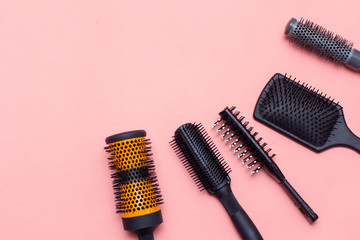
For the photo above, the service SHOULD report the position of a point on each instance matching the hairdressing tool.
(248, 147)
(137, 193)
(209, 171)
(322, 42)
(304, 114)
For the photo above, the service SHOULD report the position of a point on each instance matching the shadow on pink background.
(75, 72)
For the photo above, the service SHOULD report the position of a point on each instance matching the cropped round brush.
(304, 114)
(209, 171)
(322, 42)
(137, 193)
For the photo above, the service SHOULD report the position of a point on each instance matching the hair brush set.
(292, 108)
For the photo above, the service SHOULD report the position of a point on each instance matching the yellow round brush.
(137, 192)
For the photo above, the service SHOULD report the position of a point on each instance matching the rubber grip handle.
(306, 210)
(241, 220)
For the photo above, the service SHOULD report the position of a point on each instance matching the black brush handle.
(310, 215)
(241, 220)
(343, 136)
(145, 233)
(353, 142)
(146, 237)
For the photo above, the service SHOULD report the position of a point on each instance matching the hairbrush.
(304, 114)
(248, 147)
(137, 193)
(322, 42)
(209, 171)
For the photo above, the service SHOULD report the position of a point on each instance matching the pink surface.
(74, 72)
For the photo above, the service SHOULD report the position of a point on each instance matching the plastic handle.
(146, 237)
(354, 60)
(146, 233)
(241, 220)
(343, 136)
(306, 210)
(353, 141)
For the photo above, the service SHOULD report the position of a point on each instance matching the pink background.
(74, 72)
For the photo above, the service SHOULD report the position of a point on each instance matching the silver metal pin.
(247, 159)
(234, 143)
(242, 154)
(225, 133)
(221, 128)
(250, 165)
(229, 138)
(217, 122)
(256, 170)
(238, 148)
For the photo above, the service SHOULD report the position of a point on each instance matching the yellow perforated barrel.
(137, 194)
(134, 181)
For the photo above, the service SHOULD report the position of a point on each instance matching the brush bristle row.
(200, 157)
(246, 145)
(320, 41)
(299, 109)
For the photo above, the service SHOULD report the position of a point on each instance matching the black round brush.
(209, 171)
(137, 193)
(322, 42)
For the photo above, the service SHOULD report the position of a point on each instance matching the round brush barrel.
(322, 42)
(137, 193)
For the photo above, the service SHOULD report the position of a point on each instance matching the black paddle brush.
(304, 114)
(209, 171)
(322, 42)
(248, 146)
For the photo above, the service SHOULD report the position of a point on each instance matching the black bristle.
(200, 157)
(299, 109)
(244, 141)
(320, 41)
